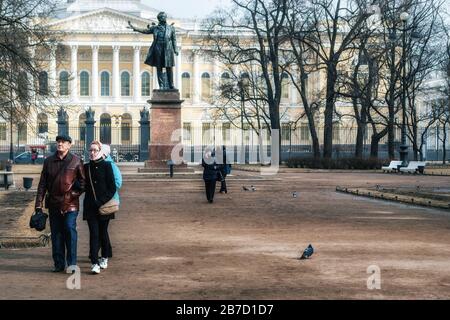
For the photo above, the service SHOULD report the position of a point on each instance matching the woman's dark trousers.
(210, 187)
(99, 237)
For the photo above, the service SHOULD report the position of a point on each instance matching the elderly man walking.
(61, 184)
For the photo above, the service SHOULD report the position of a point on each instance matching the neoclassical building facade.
(99, 63)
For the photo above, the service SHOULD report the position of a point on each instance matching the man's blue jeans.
(64, 237)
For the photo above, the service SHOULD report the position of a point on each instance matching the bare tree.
(335, 26)
(24, 49)
(252, 31)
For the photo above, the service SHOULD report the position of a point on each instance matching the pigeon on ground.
(253, 188)
(245, 188)
(294, 194)
(307, 253)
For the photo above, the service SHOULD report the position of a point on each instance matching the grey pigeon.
(307, 253)
(253, 188)
(294, 194)
(245, 188)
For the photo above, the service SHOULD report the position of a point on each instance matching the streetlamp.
(404, 16)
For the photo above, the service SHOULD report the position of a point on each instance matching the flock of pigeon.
(308, 252)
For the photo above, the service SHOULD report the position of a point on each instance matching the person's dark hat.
(64, 137)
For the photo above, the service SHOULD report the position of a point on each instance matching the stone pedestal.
(165, 119)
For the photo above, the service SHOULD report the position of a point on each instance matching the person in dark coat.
(101, 173)
(162, 50)
(224, 170)
(210, 172)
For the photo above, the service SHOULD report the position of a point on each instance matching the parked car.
(25, 158)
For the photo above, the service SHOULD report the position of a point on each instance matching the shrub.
(344, 163)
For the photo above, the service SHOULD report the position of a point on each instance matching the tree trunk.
(329, 110)
(375, 140)
(361, 132)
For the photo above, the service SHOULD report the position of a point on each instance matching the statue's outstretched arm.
(149, 29)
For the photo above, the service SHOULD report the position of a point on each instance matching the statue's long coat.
(161, 54)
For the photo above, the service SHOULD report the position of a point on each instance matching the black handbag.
(38, 220)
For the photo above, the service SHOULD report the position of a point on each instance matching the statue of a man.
(162, 50)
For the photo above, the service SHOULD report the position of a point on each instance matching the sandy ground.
(169, 243)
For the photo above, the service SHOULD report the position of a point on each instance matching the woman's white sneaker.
(103, 263)
(95, 269)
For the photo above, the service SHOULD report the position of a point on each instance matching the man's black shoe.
(58, 270)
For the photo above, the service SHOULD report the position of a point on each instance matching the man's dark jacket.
(63, 180)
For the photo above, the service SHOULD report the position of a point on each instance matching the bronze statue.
(162, 50)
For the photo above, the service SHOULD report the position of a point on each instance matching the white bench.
(414, 167)
(392, 167)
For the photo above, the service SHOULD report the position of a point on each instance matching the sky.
(185, 8)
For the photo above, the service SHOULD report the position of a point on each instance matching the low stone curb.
(396, 198)
(24, 242)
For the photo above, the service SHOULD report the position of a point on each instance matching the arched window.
(22, 91)
(125, 83)
(84, 83)
(245, 80)
(42, 123)
(104, 80)
(105, 128)
(43, 83)
(22, 132)
(64, 83)
(206, 86)
(186, 85)
(284, 86)
(82, 126)
(126, 128)
(226, 85)
(145, 84)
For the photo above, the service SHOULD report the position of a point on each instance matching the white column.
(52, 74)
(74, 73)
(179, 68)
(30, 75)
(95, 72)
(294, 93)
(196, 79)
(137, 73)
(216, 77)
(116, 73)
(155, 79)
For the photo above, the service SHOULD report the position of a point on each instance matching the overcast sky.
(185, 8)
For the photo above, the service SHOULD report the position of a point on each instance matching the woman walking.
(210, 172)
(100, 188)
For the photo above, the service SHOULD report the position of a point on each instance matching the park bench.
(414, 167)
(6, 179)
(392, 167)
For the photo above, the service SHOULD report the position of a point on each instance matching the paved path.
(169, 243)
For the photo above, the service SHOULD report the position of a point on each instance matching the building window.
(82, 127)
(104, 79)
(23, 87)
(125, 84)
(105, 128)
(187, 131)
(145, 84)
(84, 83)
(22, 132)
(43, 83)
(304, 132)
(64, 83)
(206, 134)
(284, 86)
(285, 131)
(126, 128)
(226, 132)
(186, 85)
(42, 123)
(206, 86)
(226, 86)
(3, 131)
